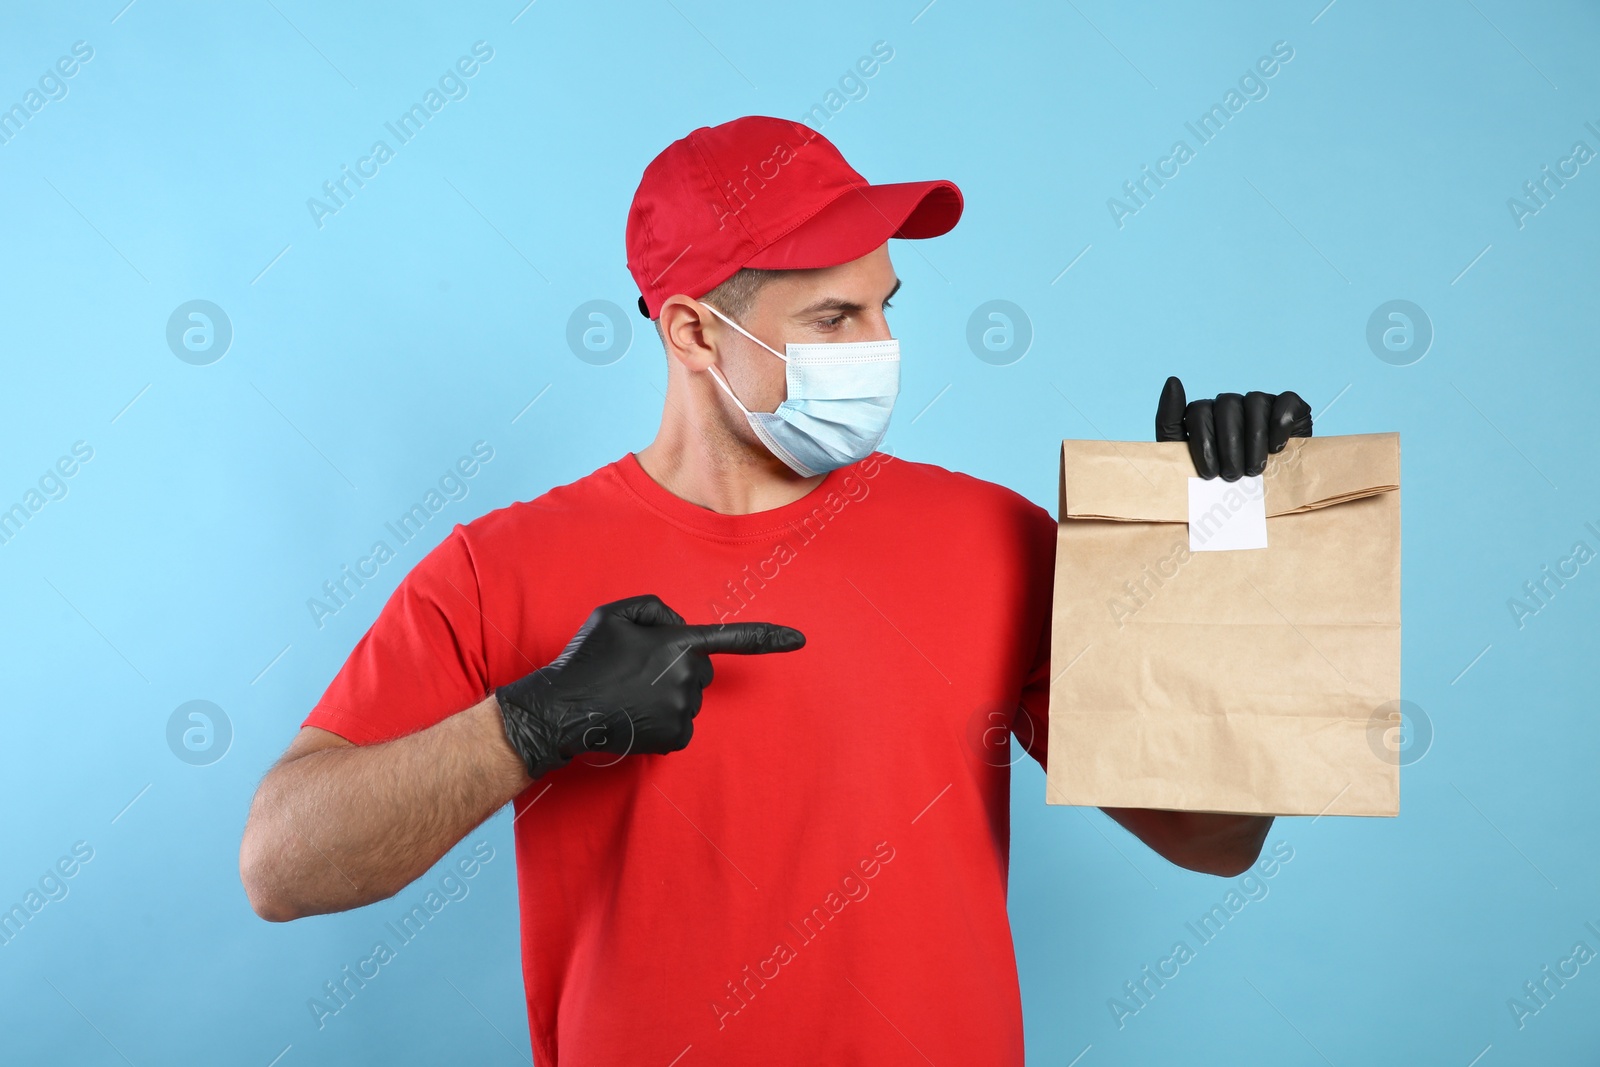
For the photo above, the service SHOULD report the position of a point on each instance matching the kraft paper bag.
(1262, 681)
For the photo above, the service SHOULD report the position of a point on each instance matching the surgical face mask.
(840, 396)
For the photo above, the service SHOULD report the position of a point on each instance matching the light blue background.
(429, 312)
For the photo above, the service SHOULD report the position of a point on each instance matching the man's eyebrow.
(836, 303)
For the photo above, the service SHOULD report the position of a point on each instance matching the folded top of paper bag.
(1149, 482)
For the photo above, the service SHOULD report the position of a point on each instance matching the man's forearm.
(347, 825)
(1208, 842)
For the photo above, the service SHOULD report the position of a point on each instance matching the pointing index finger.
(744, 638)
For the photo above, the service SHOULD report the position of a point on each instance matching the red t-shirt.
(820, 876)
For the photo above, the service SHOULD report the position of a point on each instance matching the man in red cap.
(820, 876)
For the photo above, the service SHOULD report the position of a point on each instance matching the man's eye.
(831, 322)
(887, 305)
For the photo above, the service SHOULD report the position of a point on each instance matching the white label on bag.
(1227, 515)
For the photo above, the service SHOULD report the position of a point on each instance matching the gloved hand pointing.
(1233, 434)
(629, 681)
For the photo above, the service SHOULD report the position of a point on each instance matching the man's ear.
(684, 332)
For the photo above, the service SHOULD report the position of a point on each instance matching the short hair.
(734, 296)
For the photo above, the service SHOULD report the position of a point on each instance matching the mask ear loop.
(747, 333)
(727, 389)
(717, 377)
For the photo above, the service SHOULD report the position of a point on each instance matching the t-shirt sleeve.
(420, 662)
(1032, 724)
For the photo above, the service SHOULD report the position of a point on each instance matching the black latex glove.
(1233, 434)
(629, 681)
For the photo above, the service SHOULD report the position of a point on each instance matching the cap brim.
(862, 219)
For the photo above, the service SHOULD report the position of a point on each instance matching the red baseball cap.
(766, 193)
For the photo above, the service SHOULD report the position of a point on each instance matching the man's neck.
(728, 476)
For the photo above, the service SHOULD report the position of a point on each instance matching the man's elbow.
(268, 909)
(1225, 859)
(278, 890)
(256, 873)
(1225, 864)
